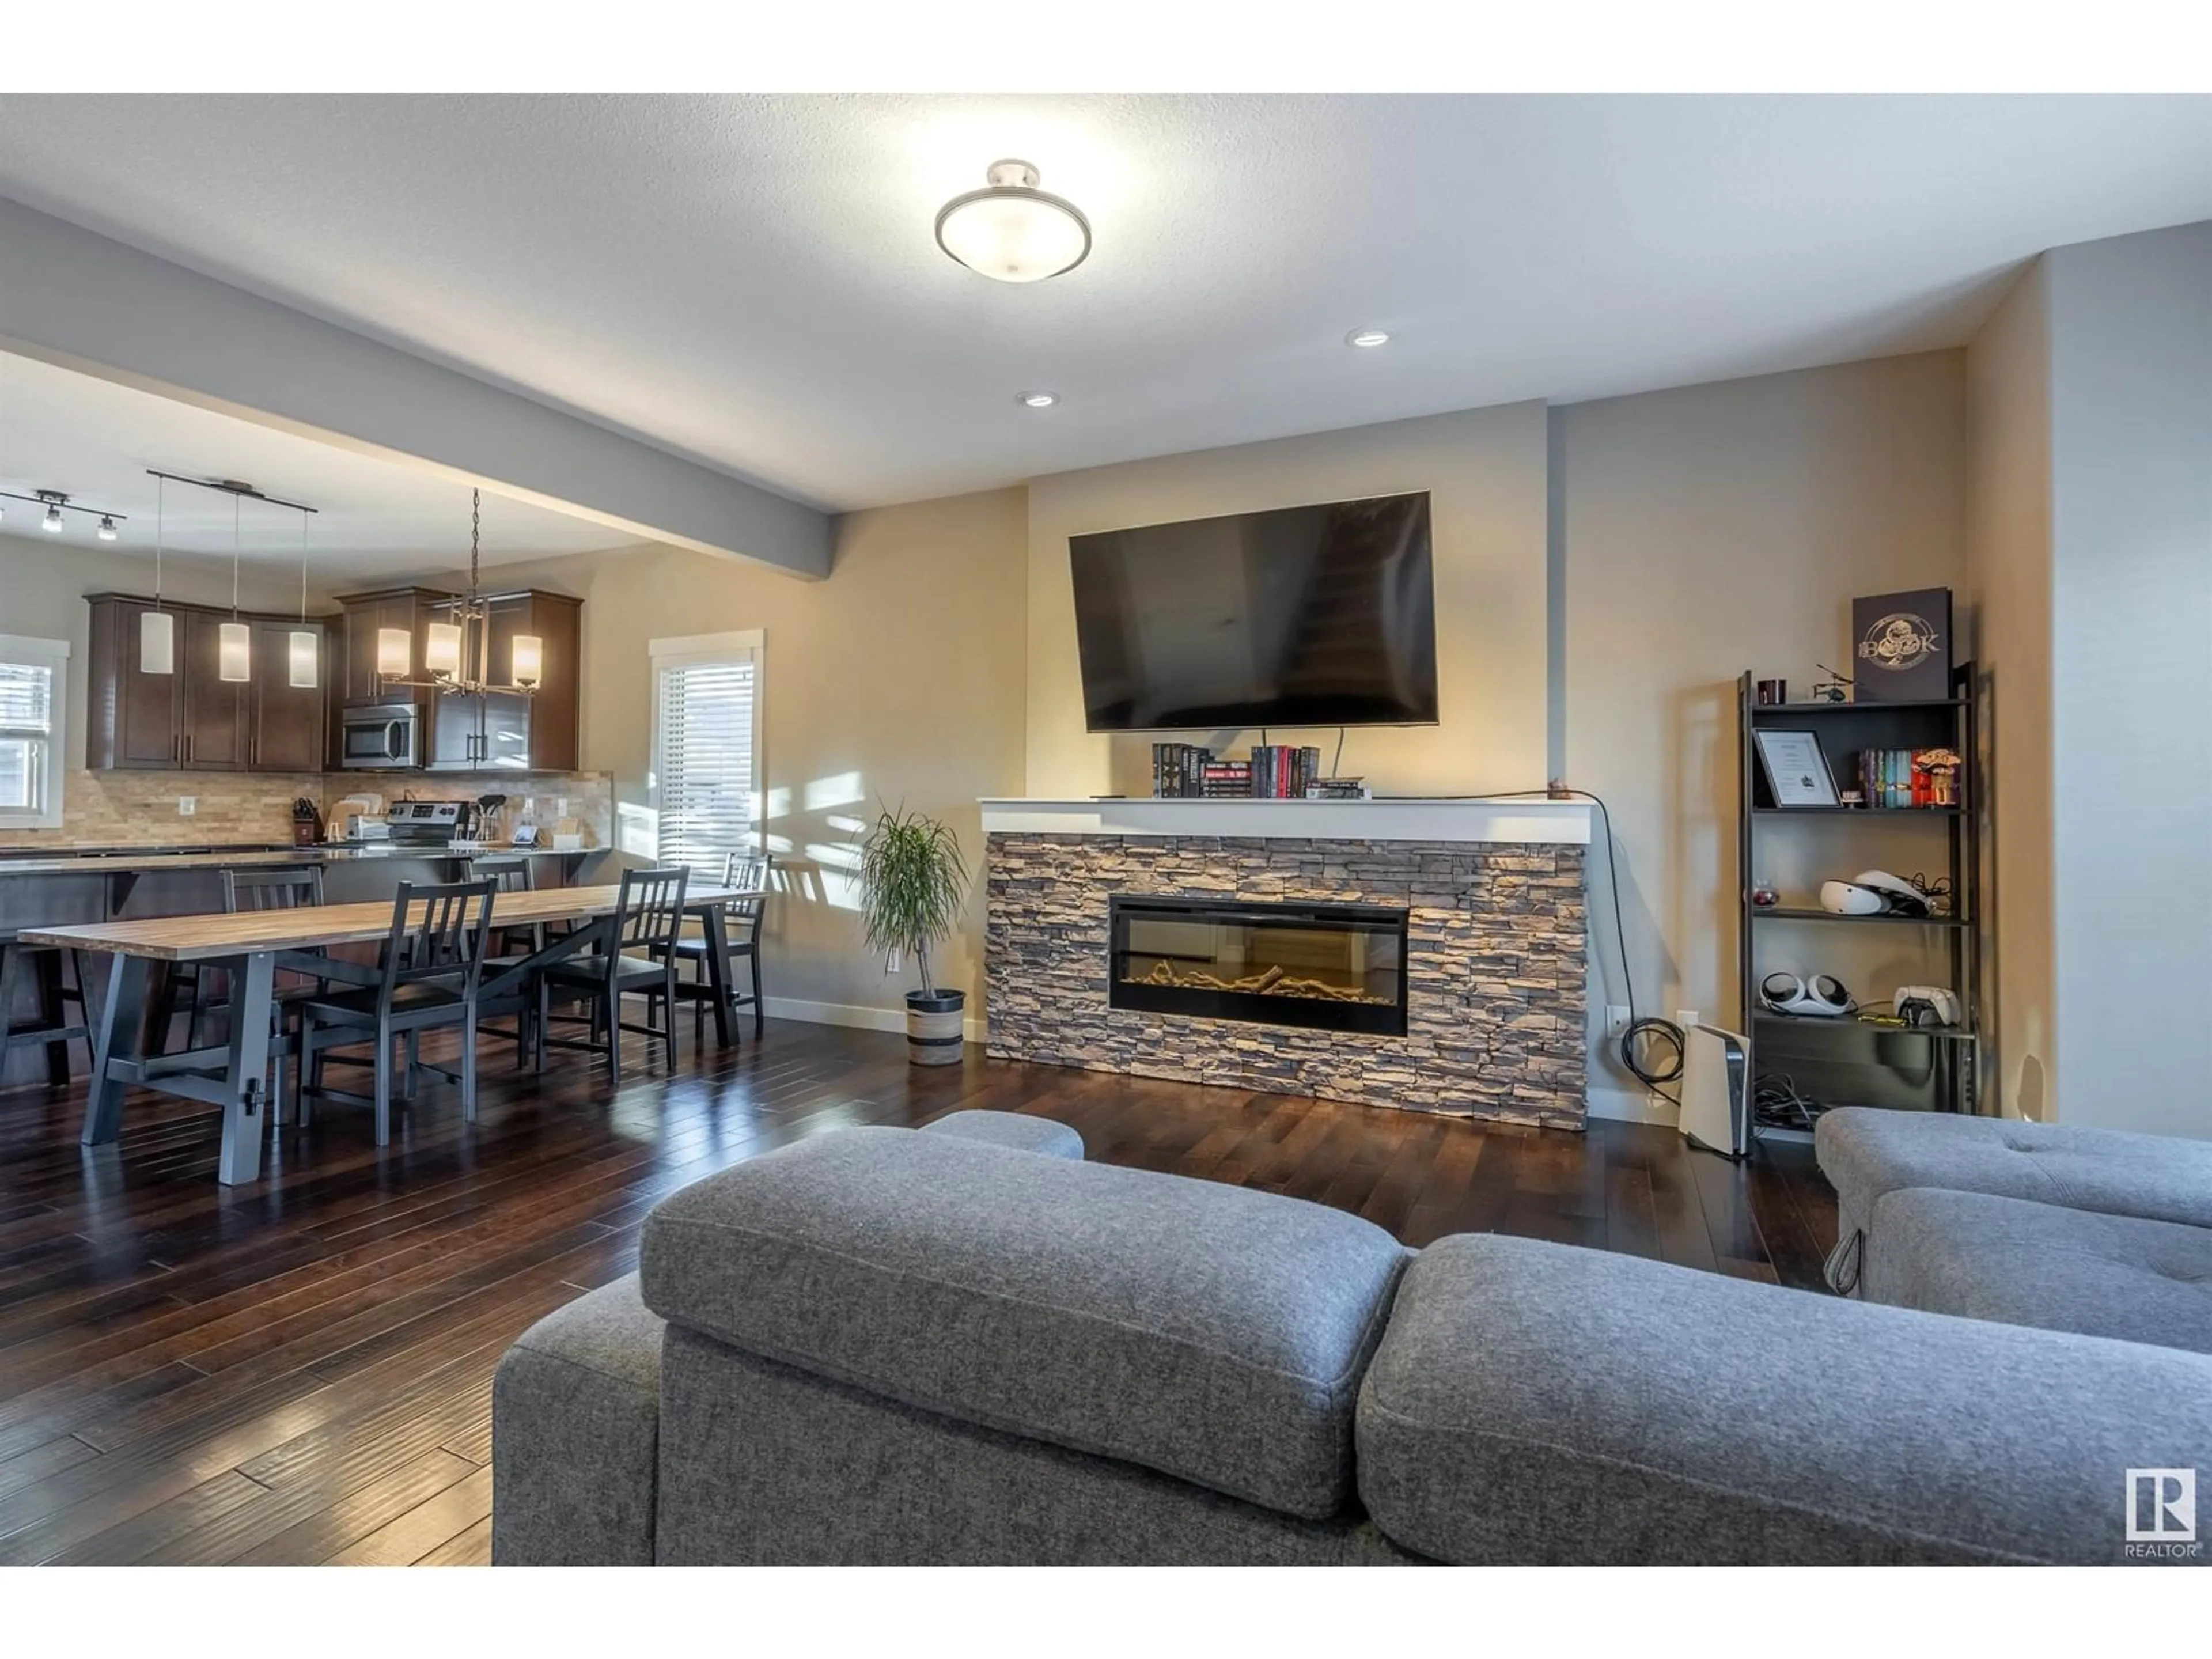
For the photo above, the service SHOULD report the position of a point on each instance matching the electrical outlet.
(1616, 1018)
(187, 805)
(891, 962)
(1686, 1018)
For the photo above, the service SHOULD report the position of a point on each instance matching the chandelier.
(457, 654)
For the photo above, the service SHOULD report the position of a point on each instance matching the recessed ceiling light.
(1011, 231)
(1366, 337)
(1039, 399)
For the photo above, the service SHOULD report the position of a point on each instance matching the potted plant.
(913, 880)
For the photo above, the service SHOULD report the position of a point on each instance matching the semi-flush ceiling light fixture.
(106, 531)
(1366, 337)
(1010, 231)
(1039, 399)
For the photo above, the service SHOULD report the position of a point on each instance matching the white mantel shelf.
(1537, 819)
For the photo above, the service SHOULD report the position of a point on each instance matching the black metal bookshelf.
(1853, 1061)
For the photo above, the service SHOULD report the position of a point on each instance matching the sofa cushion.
(1865, 1152)
(1202, 1330)
(2005, 1259)
(576, 1435)
(1030, 1134)
(1536, 1402)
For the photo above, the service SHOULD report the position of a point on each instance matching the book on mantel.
(1275, 771)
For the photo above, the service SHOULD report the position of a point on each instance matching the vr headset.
(1875, 893)
(1820, 997)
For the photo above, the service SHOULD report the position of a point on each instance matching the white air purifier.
(1715, 1091)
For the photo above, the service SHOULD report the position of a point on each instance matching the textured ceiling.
(62, 430)
(752, 281)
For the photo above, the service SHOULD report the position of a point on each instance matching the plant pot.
(933, 1023)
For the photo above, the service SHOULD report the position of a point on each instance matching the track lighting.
(56, 502)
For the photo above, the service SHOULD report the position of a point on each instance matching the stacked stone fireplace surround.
(1495, 968)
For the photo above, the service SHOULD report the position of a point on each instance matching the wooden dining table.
(254, 945)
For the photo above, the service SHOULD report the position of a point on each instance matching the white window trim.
(682, 651)
(55, 653)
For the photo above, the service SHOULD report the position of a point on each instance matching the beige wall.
(1708, 531)
(44, 580)
(1698, 532)
(1485, 470)
(2130, 402)
(897, 680)
(2008, 381)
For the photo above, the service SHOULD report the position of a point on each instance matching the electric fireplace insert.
(1327, 966)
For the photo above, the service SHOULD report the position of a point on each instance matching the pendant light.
(1010, 231)
(157, 628)
(457, 654)
(305, 643)
(234, 659)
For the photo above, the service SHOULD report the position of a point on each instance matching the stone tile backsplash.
(139, 809)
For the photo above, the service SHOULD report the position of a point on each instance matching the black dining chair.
(511, 872)
(428, 975)
(278, 889)
(748, 872)
(50, 1029)
(637, 961)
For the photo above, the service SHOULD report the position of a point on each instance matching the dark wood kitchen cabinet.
(192, 719)
(511, 731)
(287, 723)
(410, 610)
(213, 726)
(134, 720)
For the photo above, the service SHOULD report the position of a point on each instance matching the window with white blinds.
(705, 749)
(34, 694)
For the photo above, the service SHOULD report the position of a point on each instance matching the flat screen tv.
(1304, 615)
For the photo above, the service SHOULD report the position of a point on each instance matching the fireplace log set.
(1273, 982)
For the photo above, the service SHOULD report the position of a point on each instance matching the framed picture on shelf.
(1796, 769)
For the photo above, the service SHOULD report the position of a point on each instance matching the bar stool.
(50, 1029)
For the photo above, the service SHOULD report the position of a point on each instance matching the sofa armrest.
(576, 1434)
(1533, 1403)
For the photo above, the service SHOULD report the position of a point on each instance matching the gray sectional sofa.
(967, 1345)
(2086, 1230)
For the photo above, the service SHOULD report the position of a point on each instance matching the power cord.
(1779, 1104)
(1646, 1043)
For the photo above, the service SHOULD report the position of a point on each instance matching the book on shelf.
(1903, 779)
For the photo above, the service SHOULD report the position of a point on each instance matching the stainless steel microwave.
(381, 736)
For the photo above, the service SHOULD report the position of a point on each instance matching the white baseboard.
(853, 1014)
(1627, 1106)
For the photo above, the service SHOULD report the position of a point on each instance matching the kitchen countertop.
(120, 861)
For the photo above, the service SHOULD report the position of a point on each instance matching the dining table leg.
(718, 971)
(246, 1079)
(122, 1023)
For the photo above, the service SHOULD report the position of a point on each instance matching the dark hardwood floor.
(299, 1371)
